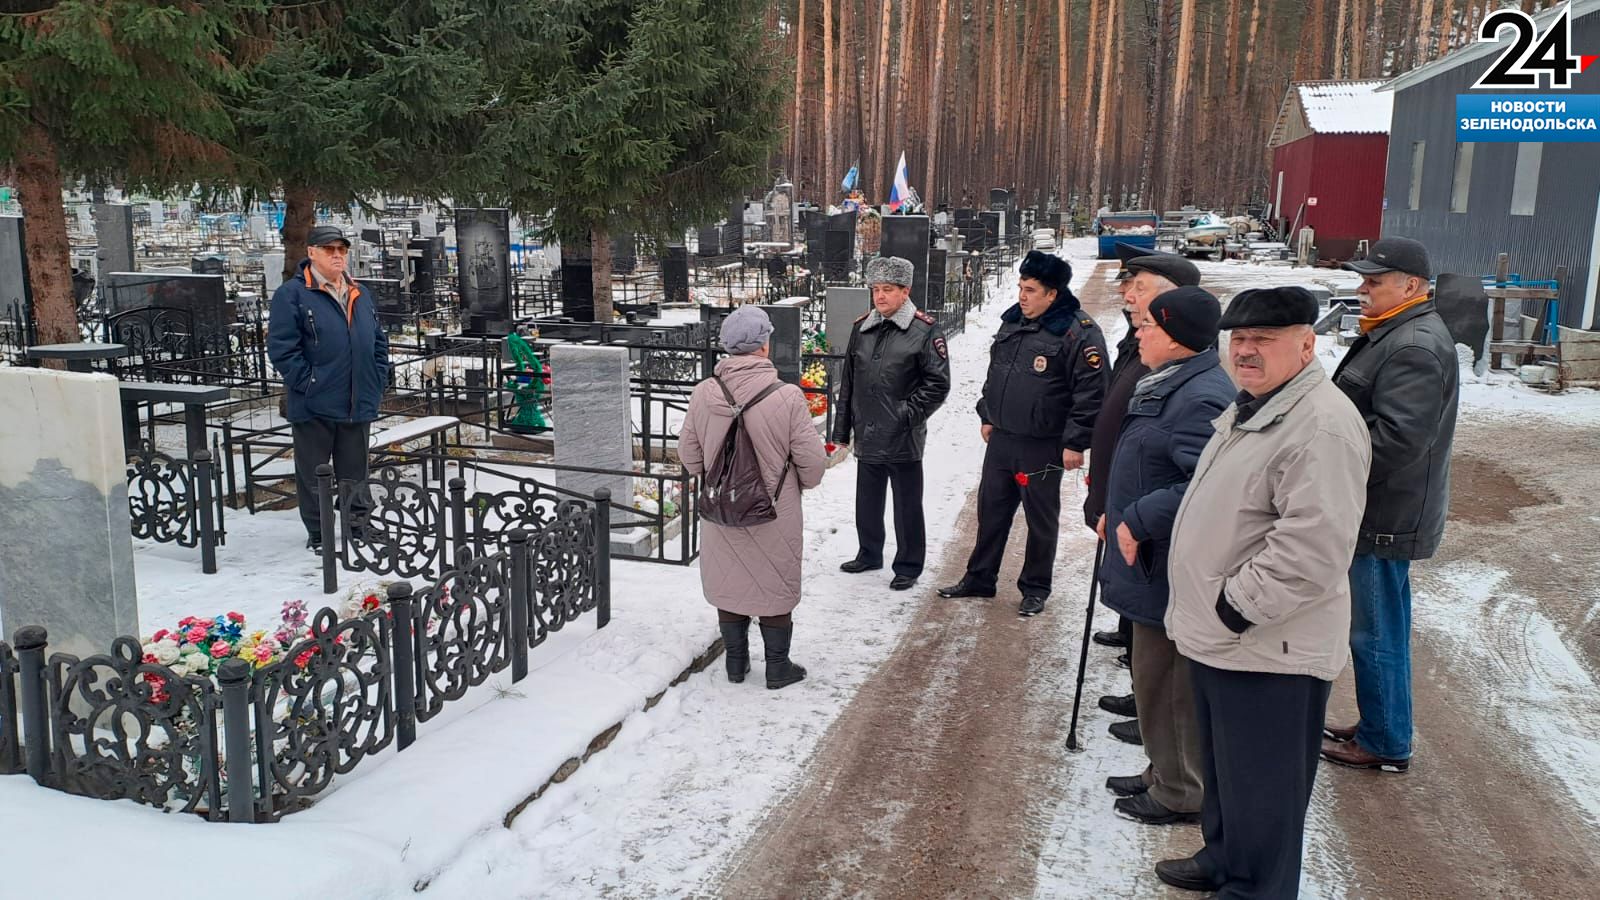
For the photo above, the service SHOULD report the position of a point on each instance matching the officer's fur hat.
(1047, 269)
(890, 270)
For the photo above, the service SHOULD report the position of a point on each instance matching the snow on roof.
(1346, 107)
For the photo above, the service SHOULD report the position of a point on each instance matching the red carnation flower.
(1022, 478)
(830, 447)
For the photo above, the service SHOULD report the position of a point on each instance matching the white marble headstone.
(67, 558)
(592, 417)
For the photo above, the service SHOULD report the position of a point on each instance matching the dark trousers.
(317, 442)
(910, 534)
(1259, 739)
(1004, 459)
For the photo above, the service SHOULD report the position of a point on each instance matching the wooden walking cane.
(1083, 655)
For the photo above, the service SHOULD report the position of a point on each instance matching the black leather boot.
(736, 647)
(780, 671)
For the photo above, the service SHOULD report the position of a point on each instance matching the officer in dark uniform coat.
(1046, 380)
(896, 372)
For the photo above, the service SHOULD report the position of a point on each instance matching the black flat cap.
(1127, 252)
(1394, 254)
(323, 235)
(1047, 269)
(1270, 308)
(1171, 266)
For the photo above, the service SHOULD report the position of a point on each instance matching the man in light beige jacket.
(1260, 603)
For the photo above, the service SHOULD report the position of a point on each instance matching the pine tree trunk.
(1338, 40)
(880, 123)
(299, 214)
(908, 18)
(38, 179)
(1180, 102)
(1447, 27)
(1063, 77)
(1107, 82)
(600, 262)
(829, 170)
(936, 99)
(1087, 101)
(1425, 33)
(797, 156)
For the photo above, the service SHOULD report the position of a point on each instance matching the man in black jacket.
(896, 372)
(1046, 380)
(1145, 274)
(1403, 376)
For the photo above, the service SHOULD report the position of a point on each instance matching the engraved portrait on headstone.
(483, 258)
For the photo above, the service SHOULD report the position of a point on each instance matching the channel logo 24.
(1519, 65)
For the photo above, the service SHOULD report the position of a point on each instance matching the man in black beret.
(1403, 376)
(1046, 380)
(1258, 600)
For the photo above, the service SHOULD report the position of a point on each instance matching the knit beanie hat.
(1189, 315)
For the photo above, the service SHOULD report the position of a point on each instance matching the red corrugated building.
(1330, 151)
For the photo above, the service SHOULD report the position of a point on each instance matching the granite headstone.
(483, 257)
(67, 559)
(113, 229)
(907, 237)
(13, 264)
(592, 417)
(845, 305)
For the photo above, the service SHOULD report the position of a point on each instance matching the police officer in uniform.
(896, 372)
(1047, 377)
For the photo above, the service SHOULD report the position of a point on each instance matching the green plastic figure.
(527, 387)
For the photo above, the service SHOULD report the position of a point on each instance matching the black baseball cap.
(1170, 266)
(1394, 254)
(323, 235)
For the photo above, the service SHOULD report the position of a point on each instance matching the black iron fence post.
(602, 557)
(208, 525)
(520, 603)
(458, 521)
(405, 689)
(234, 677)
(330, 539)
(30, 641)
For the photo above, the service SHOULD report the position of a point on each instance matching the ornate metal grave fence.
(118, 726)
(176, 501)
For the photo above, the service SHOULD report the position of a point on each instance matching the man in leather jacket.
(1046, 380)
(1403, 377)
(896, 373)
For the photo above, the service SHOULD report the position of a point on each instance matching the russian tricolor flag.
(901, 192)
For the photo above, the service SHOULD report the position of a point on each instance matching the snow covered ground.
(684, 785)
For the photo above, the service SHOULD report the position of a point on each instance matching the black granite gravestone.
(936, 277)
(907, 238)
(624, 254)
(991, 228)
(208, 265)
(204, 297)
(577, 283)
(710, 240)
(733, 230)
(813, 224)
(675, 273)
(483, 260)
(839, 246)
(113, 229)
(13, 265)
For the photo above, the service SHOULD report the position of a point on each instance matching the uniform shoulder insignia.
(1086, 320)
(861, 318)
(924, 317)
(1093, 356)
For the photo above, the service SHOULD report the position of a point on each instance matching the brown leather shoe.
(1339, 734)
(1356, 756)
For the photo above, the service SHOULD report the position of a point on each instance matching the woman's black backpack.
(733, 493)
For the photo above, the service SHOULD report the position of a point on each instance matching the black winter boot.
(780, 671)
(736, 647)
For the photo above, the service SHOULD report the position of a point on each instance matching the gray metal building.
(1540, 203)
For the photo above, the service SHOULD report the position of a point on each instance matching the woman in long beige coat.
(755, 570)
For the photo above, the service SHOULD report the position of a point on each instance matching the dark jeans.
(910, 533)
(1380, 653)
(1260, 735)
(317, 442)
(998, 495)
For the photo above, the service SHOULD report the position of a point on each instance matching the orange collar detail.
(1368, 324)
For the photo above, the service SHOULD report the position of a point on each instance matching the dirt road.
(947, 776)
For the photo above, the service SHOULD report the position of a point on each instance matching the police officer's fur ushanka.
(1050, 271)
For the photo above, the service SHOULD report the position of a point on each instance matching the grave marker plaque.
(733, 230)
(577, 283)
(710, 240)
(839, 247)
(784, 344)
(675, 273)
(13, 265)
(592, 418)
(483, 260)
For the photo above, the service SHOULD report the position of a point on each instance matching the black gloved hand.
(1231, 617)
